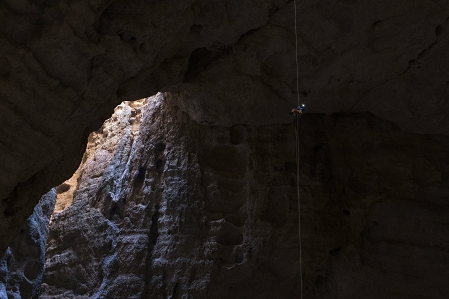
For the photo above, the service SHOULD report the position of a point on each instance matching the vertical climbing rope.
(297, 151)
(299, 199)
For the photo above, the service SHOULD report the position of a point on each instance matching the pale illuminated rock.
(167, 207)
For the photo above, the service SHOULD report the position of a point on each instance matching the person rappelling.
(299, 110)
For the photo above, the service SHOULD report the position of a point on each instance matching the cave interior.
(147, 149)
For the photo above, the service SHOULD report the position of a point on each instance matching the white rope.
(296, 55)
(297, 152)
(299, 199)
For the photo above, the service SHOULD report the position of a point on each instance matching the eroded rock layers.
(65, 64)
(166, 207)
(22, 266)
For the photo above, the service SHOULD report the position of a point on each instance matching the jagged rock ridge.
(65, 64)
(22, 266)
(171, 208)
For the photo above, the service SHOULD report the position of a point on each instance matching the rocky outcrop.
(65, 64)
(22, 266)
(169, 207)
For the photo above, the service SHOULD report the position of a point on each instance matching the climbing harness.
(299, 110)
(297, 114)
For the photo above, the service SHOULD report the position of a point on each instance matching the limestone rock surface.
(167, 207)
(64, 66)
(22, 266)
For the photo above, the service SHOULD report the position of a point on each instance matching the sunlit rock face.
(22, 266)
(169, 207)
(65, 64)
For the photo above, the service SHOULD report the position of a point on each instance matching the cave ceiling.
(64, 66)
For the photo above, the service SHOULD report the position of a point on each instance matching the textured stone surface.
(22, 266)
(65, 192)
(172, 208)
(65, 64)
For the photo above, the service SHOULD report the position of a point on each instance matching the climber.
(299, 110)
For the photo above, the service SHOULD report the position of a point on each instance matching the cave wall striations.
(22, 266)
(64, 66)
(166, 207)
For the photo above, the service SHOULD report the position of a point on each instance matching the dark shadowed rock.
(218, 218)
(22, 266)
(64, 66)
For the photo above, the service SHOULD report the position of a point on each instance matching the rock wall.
(22, 266)
(168, 207)
(65, 64)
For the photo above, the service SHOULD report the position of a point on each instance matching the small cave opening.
(64, 187)
(160, 147)
(141, 175)
(159, 164)
(201, 58)
(154, 228)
